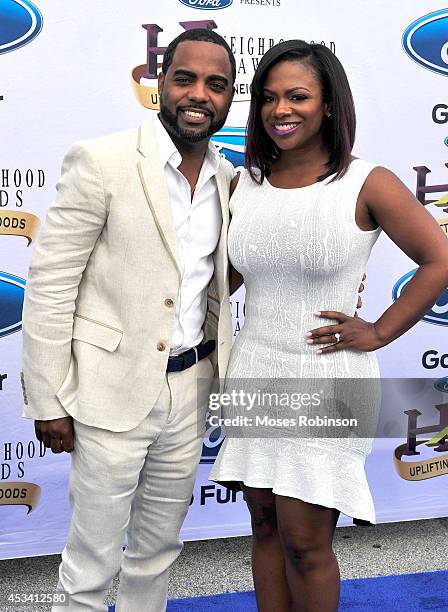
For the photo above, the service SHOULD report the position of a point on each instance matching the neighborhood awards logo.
(20, 494)
(15, 187)
(430, 465)
(247, 49)
(15, 456)
(20, 23)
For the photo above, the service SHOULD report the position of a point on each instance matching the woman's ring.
(338, 337)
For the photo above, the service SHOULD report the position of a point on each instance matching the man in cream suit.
(126, 320)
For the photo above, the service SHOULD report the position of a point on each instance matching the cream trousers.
(136, 483)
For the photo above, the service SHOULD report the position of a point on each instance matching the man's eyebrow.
(218, 77)
(185, 72)
(193, 75)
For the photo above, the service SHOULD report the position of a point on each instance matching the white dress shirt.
(198, 225)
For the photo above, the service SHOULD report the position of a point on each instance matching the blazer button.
(161, 346)
(169, 303)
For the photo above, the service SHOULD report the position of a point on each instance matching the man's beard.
(170, 121)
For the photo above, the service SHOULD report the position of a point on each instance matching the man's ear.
(160, 82)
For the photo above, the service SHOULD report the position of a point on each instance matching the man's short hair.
(200, 35)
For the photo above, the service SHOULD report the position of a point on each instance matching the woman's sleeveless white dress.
(300, 251)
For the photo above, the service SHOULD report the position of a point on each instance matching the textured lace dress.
(300, 251)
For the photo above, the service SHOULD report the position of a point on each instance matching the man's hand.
(57, 434)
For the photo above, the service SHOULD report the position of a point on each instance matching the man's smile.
(194, 115)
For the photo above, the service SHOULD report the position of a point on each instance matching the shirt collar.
(170, 154)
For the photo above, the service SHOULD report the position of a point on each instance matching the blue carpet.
(407, 592)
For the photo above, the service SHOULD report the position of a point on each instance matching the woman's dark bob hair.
(338, 130)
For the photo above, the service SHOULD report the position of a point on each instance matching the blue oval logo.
(207, 5)
(11, 302)
(442, 384)
(20, 22)
(426, 41)
(438, 315)
(211, 444)
(231, 143)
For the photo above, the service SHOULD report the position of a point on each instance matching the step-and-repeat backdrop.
(73, 70)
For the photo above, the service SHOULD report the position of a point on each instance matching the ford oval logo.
(207, 5)
(426, 41)
(212, 442)
(438, 315)
(442, 384)
(231, 143)
(11, 303)
(20, 22)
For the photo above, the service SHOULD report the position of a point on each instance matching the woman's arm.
(234, 183)
(418, 235)
(392, 206)
(235, 278)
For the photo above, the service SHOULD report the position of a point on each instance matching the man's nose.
(198, 92)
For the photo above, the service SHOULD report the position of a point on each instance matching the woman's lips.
(285, 129)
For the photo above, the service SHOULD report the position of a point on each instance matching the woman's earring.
(328, 114)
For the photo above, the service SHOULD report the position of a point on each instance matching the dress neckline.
(324, 182)
(295, 188)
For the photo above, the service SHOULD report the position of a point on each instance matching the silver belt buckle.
(196, 354)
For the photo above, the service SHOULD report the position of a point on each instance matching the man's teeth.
(284, 127)
(194, 114)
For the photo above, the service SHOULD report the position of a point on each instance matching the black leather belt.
(185, 360)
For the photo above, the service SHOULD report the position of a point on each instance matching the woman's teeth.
(285, 127)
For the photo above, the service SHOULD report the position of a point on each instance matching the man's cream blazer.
(98, 315)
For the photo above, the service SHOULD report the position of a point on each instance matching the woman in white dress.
(305, 217)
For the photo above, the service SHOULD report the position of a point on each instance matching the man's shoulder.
(227, 168)
(111, 144)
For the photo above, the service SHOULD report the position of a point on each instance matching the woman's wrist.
(382, 336)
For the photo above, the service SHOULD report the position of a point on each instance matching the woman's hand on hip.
(346, 333)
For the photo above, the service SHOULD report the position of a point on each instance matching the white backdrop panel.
(73, 81)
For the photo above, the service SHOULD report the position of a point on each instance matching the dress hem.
(233, 480)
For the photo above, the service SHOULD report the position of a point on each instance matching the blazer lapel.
(220, 256)
(152, 176)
